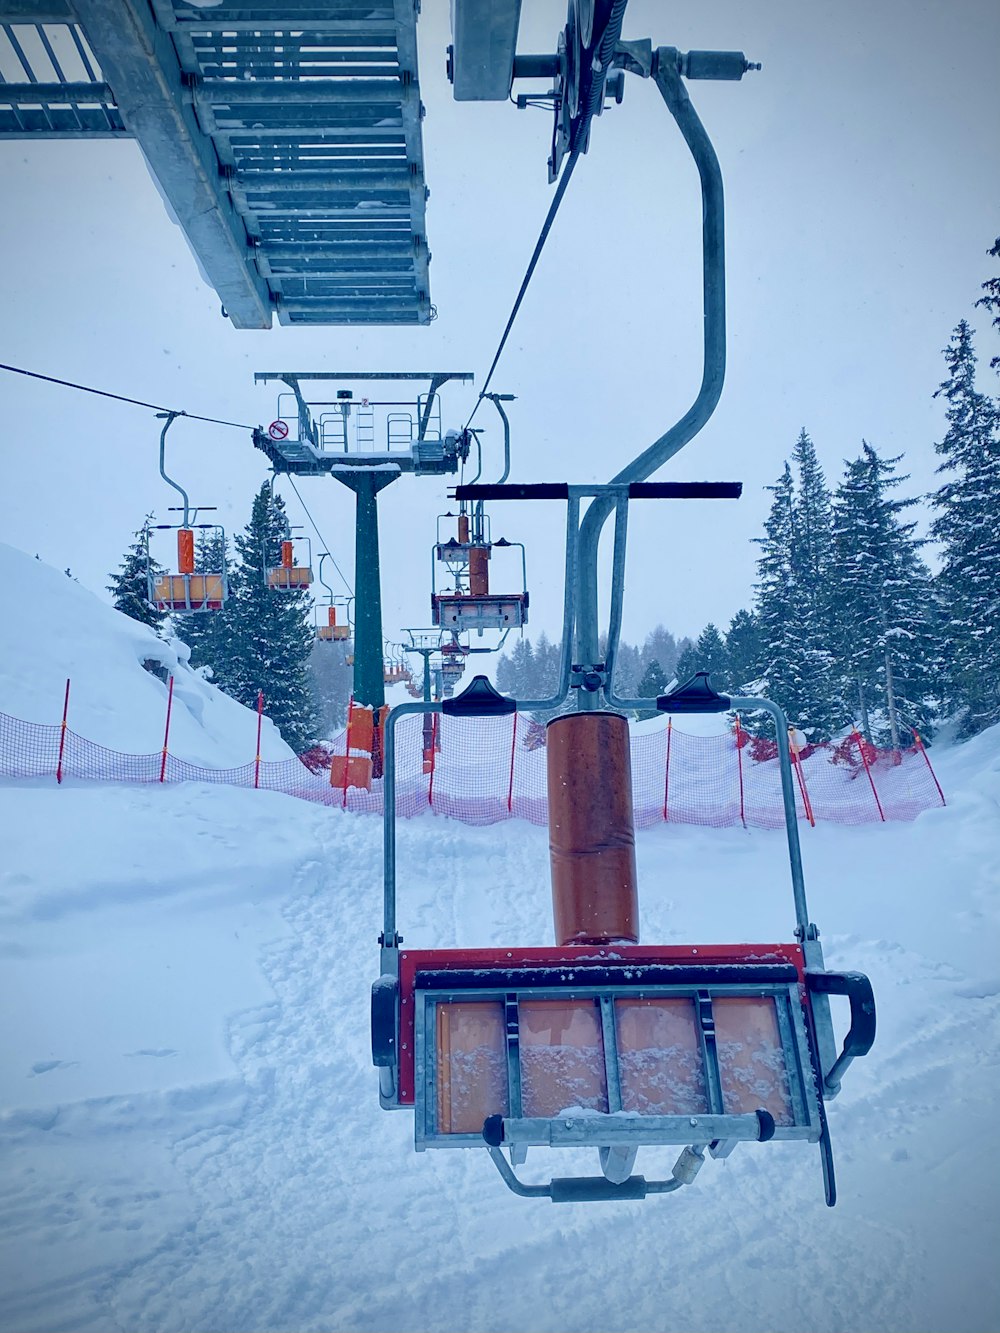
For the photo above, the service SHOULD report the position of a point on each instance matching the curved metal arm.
(672, 89)
(324, 555)
(171, 417)
(496, 399)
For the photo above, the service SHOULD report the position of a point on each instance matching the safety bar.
(861, 1034)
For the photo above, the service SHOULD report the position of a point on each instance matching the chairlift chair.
(470, 605)
(334, 631)
(289, 576)
(600, 1041)
(186, 591)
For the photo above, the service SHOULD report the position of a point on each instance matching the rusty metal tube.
(479, 571)
(591, 830)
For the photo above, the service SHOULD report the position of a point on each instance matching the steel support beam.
(138, 60)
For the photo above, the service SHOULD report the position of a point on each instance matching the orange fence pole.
(666, 776)
(806, 803)
(62, 734)
(510, 785)
(430, 781)
(166, 732)
(920, 747)
(864, 759)
(260, 718)
(739, 761)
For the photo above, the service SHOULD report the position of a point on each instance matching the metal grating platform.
(286, 138)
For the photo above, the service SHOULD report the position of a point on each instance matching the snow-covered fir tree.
(130, 586)
(712, 656)
(262, 638)
(991, 300)
(687, 662)
(211, 635)
(743, 650)
(653, 682)
(660, 646)
(885, 622)
(968, 526)
(330, 681)
(793, 609)
(516, 672)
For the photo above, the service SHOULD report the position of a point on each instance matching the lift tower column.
(369, 681)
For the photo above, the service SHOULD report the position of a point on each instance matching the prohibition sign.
(278, 430)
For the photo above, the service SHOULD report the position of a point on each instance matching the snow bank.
(53, 629)
(189, 1117)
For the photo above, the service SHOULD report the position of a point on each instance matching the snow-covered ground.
(191, 1136)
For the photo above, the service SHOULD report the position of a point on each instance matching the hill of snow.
(189, 1119)
(54, 630)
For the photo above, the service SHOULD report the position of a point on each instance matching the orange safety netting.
(489, 769)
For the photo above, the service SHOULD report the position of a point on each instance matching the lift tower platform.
(285, 138)
(364, 444)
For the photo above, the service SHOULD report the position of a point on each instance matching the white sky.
(862, 171)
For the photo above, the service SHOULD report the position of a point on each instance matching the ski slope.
(190, 1132)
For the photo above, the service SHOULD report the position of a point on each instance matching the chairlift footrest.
(583, 1131)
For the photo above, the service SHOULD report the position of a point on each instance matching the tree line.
(848, 624)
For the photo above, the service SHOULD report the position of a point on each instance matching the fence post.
(864, 759)
(430, 781)
(260, 718)
(739, 761)
(347, 750)
(806, 803)
(666, 777)
(920, 747)
(166, 731)
(510, 785)
(62, 734)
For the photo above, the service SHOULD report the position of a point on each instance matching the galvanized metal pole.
(671, 87)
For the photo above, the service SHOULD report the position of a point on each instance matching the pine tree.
(712, 656)
(661, 646)
(211, 635)
(330, 681)
(261, 639)
(991, 301)
(794, 609)
(687, 662)
(813, 556)
(968, 504)
(654, 681)
(883, 590)
(744, 650)
(130, 585)
(516, 673)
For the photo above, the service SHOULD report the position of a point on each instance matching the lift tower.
(330, 432)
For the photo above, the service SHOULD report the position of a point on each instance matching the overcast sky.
(862, 171)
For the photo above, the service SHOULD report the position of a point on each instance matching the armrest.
(861, 1034)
